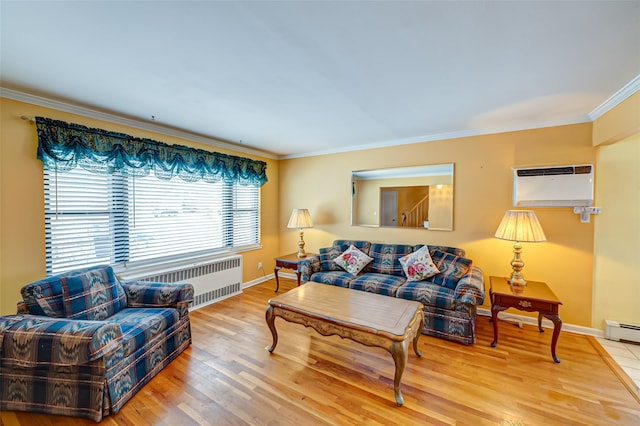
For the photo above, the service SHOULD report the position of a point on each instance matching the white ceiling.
(296, 78)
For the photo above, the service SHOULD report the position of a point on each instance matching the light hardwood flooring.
(227, 377)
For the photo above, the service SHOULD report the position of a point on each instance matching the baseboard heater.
(619, 331)
(212, 281)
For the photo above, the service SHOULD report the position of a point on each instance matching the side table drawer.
(526, 304)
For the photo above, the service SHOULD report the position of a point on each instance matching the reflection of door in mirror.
(424, 197)
(388, 208)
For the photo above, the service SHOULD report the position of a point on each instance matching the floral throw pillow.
(418, 265)
(352, 260)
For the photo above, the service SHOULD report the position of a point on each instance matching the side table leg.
(275, 272)
(298, 275)
(271, 323)
(400, 354)
(557, 325)
(494, 320)
(540, 323)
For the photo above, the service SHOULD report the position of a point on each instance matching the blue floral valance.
(64, 146)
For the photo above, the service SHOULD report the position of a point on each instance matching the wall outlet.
(259, 265)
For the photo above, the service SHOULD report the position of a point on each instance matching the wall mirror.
(409, 197)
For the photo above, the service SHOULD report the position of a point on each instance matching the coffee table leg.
(271, 322)
(415, 339)
(400, 353)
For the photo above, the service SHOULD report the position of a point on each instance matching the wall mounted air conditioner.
(560, 186)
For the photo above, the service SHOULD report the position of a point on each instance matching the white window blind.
(93, 219)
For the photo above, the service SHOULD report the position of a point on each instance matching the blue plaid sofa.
(450, 298)
(83, 342)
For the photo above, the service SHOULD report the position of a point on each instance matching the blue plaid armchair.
(83, 342)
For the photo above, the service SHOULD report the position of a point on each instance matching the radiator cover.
(212, 281)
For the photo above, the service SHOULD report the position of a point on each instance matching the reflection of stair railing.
(415, 217)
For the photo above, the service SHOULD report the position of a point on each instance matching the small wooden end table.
(367, 318)
(534, 297)
(288, 261)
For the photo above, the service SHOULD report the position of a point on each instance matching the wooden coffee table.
(367, 318)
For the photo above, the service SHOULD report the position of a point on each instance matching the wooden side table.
(288, 261)
(535, 297)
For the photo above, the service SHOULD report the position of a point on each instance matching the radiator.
(211, 282)
(615, 330)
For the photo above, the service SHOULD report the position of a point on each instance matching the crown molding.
(448, 135)
(629, 89)
(138, 124)
(615, 99)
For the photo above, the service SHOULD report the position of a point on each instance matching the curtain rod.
(29, 119)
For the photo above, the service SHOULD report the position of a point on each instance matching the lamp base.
(301, 252)
(517, 279)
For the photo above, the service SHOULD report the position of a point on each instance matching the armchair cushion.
(33, 340)
(140, 326)
(451, 267)
(93, 295)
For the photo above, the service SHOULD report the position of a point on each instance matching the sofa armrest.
(470, 288)
(35, 340)
(308, 266)
(145, 294)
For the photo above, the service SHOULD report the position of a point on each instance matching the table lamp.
(300, 219)
(519, 226)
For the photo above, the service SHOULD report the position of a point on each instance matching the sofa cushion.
(352, 260)
(451, 267)
(428, 293)
(386, 258)
(91, 295)
(453, 250)
(337, 278)
(327, 254)
(363, 246)
(140, 325)
(378, 283)
(418, 265)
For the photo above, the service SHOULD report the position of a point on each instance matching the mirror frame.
(368, 185)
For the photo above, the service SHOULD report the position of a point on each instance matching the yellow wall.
(22, 246)
(617, 229)
(482, 192)
(593, 283)
(618, 123)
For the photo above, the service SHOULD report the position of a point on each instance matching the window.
(96, 218)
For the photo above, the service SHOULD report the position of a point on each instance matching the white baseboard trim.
(521, 319)
(257, 281)
(269, 277)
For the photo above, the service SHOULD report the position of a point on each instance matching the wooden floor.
(227, 377)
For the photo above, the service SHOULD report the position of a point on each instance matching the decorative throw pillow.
(352, 260)
(451, 267)
(418, 265)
